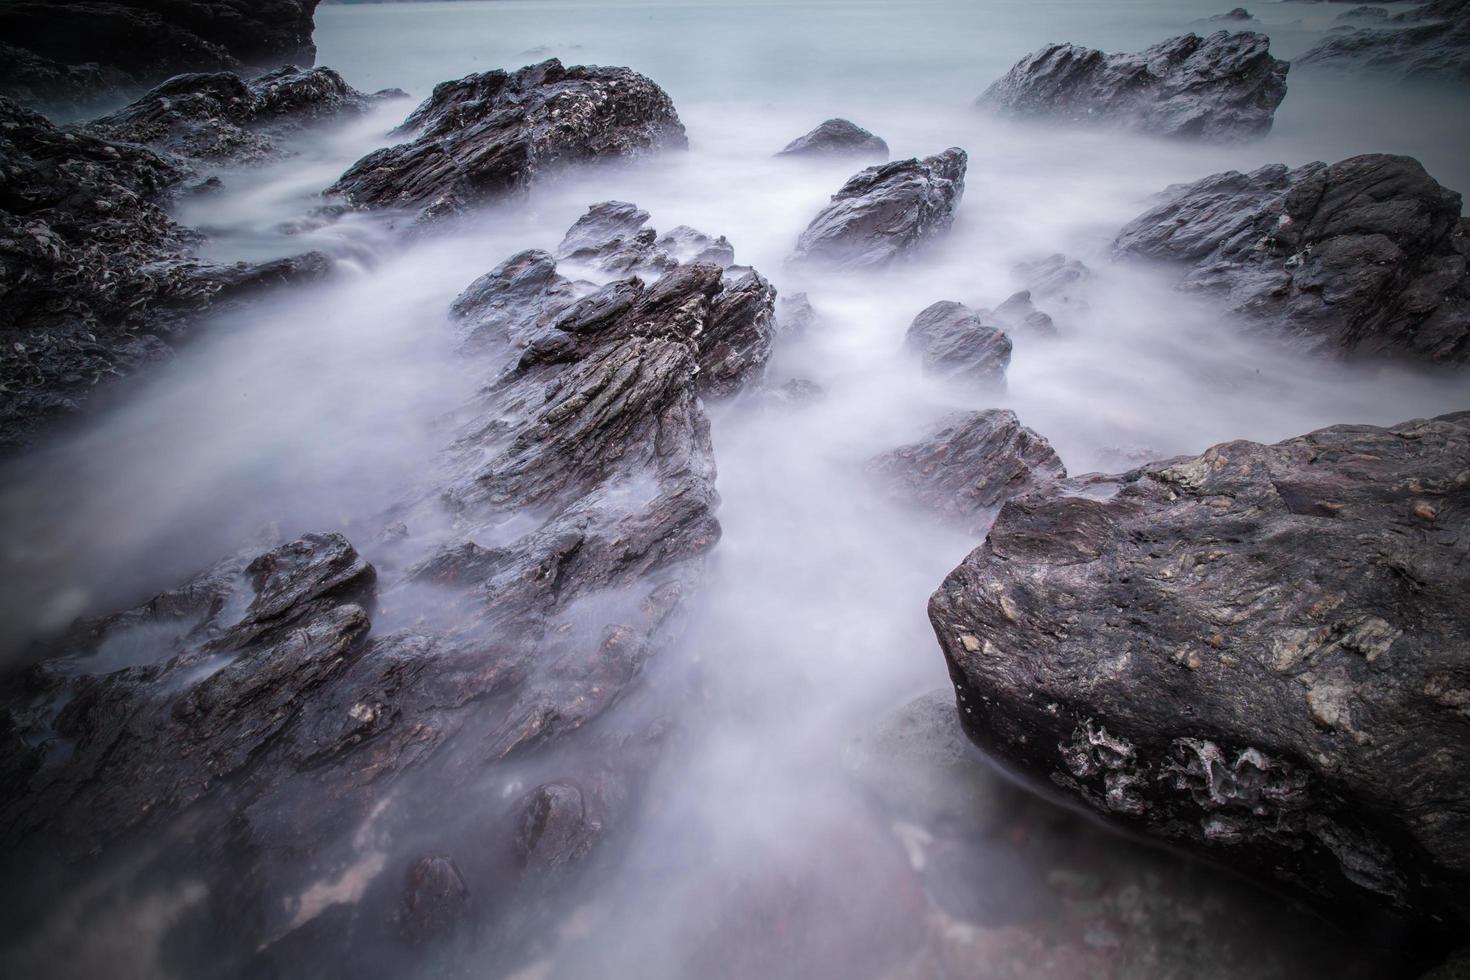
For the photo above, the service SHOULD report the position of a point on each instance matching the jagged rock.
(613, 237)
(434, 899)
(1222, 87)
(554, 828)
(1363, 15)
(490, 134)
(837, 137)
(973, 464)
(1235, 15)
(794, 315)
(1367, 256)
(1257, 653)
(1020, 315)
(73, 52)
(1436, 44)
(959, 343)
(885, 212)
(96, 280)
(220, 117)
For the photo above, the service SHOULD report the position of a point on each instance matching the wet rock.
(96, 281)
(886, 212)
(614, 237)
(1433, 42)
(220, 117)
(1020, 315)
(919, 764)
(1366, 256)
(1053, 276)
(1367, 15)
(1222, 87)
(795, 315)
(1456, 967)
(1129, 640)
(554, 828)
(1237, 15)
(71, 52)
(974, 463)
(837, 137)
(434, 898)
(958, 343)
(487, 135)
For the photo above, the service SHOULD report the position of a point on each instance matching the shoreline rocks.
(960, 344)
(1222, 87)
(1431, 41)
(1256, 653)
(885, 212)
(837, 137)
(491, 134)
(1366, 256)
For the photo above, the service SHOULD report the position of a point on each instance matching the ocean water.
(310, 411)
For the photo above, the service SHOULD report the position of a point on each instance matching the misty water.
(315, 410)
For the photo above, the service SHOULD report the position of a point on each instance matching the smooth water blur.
(310, 411)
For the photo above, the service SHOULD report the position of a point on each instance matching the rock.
(1235, 15)
(919, 764)
(1133, 641)
(1366, 256)
(837, 137)
(1053, 276)
(487, 135)
(73, 53)
(220, 117)
(1020, 315)
(613, 237)
(434, 898)
(1222, 87)
(554, 828)
(96, 280)
(1435, 45)
(959, 343)
(975, 462)
(885, 212)
(795, 315)
(1364, 15)
(1456, 967)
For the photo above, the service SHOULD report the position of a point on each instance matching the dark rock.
(837, 137)
(1236, 15)
(220, 117)
(1130, 640)
(96, 281)
(919, 764)
(1364, 15)
(434, 898)
(613, 237)
(71, 52)
(973, 464)
(554, 828)
(885, 212)
(1222, 87)
(490, 134)
(959, 343)
(1435, 44)
(1366, 256)
(1020, 315)
(1456, 967)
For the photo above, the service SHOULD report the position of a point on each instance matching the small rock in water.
(837, 137)
(1222, 87)
(959, 343)
(434, 898)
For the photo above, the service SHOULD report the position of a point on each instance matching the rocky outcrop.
(613, 237)
(1257, 653)
(975, 462)
(222, 118)
(886, 212)
(837, 137)
(68, 53)
(1431, 42)
(1222, 87)
(487, 135)
(303, 716)
(958, 343)
(96, 281)
(1236, 15)
(1366, 256)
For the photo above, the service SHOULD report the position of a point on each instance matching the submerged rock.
(96, 280)
(1257, 653)
(975, 462)
(1237, 15)
(959, 343)
(1222, 87)
(1435, 49)
(220, 117)
(613, 237)
(837, 137)
(1366, 256)
(72, 52)
(885, 212)
(490, 134)
(1020, 315)
(1054, 276)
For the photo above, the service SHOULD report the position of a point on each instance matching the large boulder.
(1259, 653)
(72, 52)
(958, 343)
(886, 212)
(489, 134)
(1366, 256)
(96, 280)
(972, 464)
(837, 137)
(1222, 87)
(342, 743)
